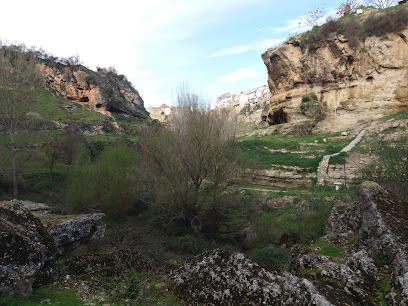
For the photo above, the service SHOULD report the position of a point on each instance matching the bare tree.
(190, 162)
(382, 4)
(18, 78)
(347, 7)
(312, 17)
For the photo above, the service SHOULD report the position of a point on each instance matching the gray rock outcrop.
(31, 238)
(362, 260)
(222, 278)
(26, 248)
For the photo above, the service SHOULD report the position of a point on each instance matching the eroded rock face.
(353, 86)
(26, 247)
(221, 278)
(101, 91)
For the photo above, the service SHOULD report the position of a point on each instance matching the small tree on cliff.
(191, 163)
(312, 17)
(18, 79)
(347, 7)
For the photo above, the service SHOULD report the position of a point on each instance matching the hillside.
(101, 204)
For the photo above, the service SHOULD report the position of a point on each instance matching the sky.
(214, 46)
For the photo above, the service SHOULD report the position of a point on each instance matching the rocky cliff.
(103, 91)
(353, 85)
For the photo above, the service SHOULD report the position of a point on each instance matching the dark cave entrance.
(278, 117)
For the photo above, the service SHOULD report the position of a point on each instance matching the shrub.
(352, 30)
(391, 168)
(115, 180)
(107, 92)
(311, 107)
(80, 191)
(272, 257)
(389, 21)
(90, 79)
(329, 27)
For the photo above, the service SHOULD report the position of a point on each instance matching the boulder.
(31, 238)
(223, 278)
(26, 248)
(80, 228)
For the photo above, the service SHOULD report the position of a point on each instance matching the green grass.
(258, 149)
(338, 159)
(45, 296)
(396, 116)
(51, 108)
(300, 222)
(325, 248)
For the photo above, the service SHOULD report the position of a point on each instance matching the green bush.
(107, 92)
(292, 224)
(110, 180)
(90, 80)
(116, 180)
(272, 257)
(80, 189)
(311, 107)
(391, 168)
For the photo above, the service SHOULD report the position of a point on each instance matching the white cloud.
(238, 75)
(259, 45)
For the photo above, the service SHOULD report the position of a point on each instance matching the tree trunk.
(13, 164)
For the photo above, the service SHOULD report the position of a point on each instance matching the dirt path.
(324, 164)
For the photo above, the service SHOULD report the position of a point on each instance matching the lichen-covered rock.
(25, 248)
(222, 278)
(381, 220)
(103, 91)
(86, 273)
(77, 229)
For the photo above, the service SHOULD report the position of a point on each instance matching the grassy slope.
(305, 152)
(44, 110)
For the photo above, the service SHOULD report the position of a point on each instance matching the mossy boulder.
(26, 248)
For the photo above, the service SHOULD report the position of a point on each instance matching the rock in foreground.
(369, 264)
(221, 278)
(25, 248)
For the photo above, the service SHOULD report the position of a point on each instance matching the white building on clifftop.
(251, 96)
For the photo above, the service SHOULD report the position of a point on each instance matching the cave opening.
(84, 99)
(279, 117)
(98, 105)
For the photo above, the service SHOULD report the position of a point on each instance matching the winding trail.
(324, 164)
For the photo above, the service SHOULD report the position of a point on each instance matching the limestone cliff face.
(353, 85)
(103, 91)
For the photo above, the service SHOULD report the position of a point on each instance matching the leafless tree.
(18, 78)
(381, 4)
(190, 162)
(312, 17)
(347, 7)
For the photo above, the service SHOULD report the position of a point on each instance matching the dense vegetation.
(356, 28)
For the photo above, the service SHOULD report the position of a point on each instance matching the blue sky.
(213, 46)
